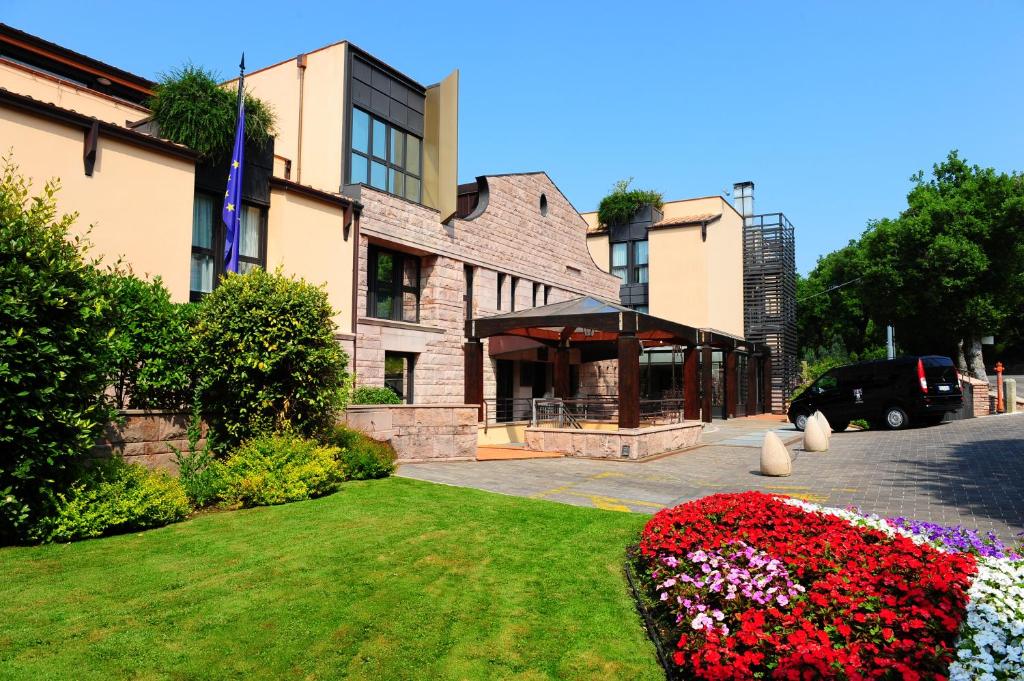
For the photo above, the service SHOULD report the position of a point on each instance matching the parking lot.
(968, 472)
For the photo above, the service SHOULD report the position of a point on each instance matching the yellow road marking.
(785, 487)
(632, 502)
(606, 474)
(606, 504)
(813, 498)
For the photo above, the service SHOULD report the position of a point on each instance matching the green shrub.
(371, 394)
(619, 206)
(362, 457)
(153, 344)
(276, 469)
(192, 108)
(56, 354)
(266, 358)
(115, 497)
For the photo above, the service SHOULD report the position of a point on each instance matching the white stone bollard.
(826, 427)
(815, 439)
(775, 459)
(1010, 395)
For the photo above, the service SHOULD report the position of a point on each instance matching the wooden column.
(751, 385)
(691, 386)
(766, 384)
(732, 383)
(706, 381)
(562, 386)
(629, 381)
(473, 367)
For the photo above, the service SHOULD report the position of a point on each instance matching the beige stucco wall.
(138, 201)
(322, 113)
(67, 95)
(306, 238)
(694, 282)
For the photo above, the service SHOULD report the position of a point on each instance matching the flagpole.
(241, 81)
(233, 196)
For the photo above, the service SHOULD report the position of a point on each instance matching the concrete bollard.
(775, 459)
(815, 439)
(1010, 394)
(826, 427)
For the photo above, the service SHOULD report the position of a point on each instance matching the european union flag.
(232, 213)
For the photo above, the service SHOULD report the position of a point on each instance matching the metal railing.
(573, 413)
(504, 410)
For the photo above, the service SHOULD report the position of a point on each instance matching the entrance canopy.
(589, 322)
(602, 330)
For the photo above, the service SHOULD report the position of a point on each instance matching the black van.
(890, 392)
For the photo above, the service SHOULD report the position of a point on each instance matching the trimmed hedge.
(267, 360)
(362, 457)
(371, 394)
(115, 497)
(277, 469)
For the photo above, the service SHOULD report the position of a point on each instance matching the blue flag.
(232, 213)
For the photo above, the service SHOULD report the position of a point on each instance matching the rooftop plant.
(192, 108)
(622, 203)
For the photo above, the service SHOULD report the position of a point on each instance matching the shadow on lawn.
(983, 475)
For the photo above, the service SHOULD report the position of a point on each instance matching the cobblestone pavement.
(969, 472)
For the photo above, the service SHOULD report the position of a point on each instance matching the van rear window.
(939, 369)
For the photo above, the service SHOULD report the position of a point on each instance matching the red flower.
(875, 606)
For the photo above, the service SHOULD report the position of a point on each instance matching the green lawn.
(389, 579)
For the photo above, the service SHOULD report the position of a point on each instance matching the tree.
(55, 329)
(948, 269)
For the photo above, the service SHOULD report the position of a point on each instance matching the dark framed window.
(398, 374)
(208, 235)
(512, 290)
(629, 261)
(385, 157)
(393, 291)
(547, 294)
(640, 262)
(467, 272)
(620, 261)
(501, 288)
(536, 293)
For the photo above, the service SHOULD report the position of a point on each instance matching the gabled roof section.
(33, 51)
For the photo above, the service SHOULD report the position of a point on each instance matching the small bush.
(201, 476)
(277, 469)
(622, 203)
(192, 108)
(116, 497)
(266, 359)
(371, 394)
(362, 457)
(55, 321)
(153, 345)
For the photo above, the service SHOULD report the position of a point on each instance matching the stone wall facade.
(420, 432)
(510, 236)
(146, 437)
(642, 443)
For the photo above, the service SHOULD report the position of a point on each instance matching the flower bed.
(749, 585)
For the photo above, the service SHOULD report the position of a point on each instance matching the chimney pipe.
(743, 199)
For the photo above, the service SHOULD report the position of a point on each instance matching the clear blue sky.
(828, 107)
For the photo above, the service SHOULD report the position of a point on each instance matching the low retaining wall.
(419, 432)
(146, 437)
(642, 443)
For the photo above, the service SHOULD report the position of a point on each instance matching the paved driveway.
(969, 472)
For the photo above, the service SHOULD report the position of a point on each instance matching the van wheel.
(800, 421)
(895, 418)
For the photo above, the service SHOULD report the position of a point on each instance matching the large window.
(512, 299)
(385, 157)
(640, 262)
(536, 293)
(394, 286)
(501, 288)
(620, 261)
(208, 235)
(467, 271)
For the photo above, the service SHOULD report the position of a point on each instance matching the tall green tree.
(950, 268)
